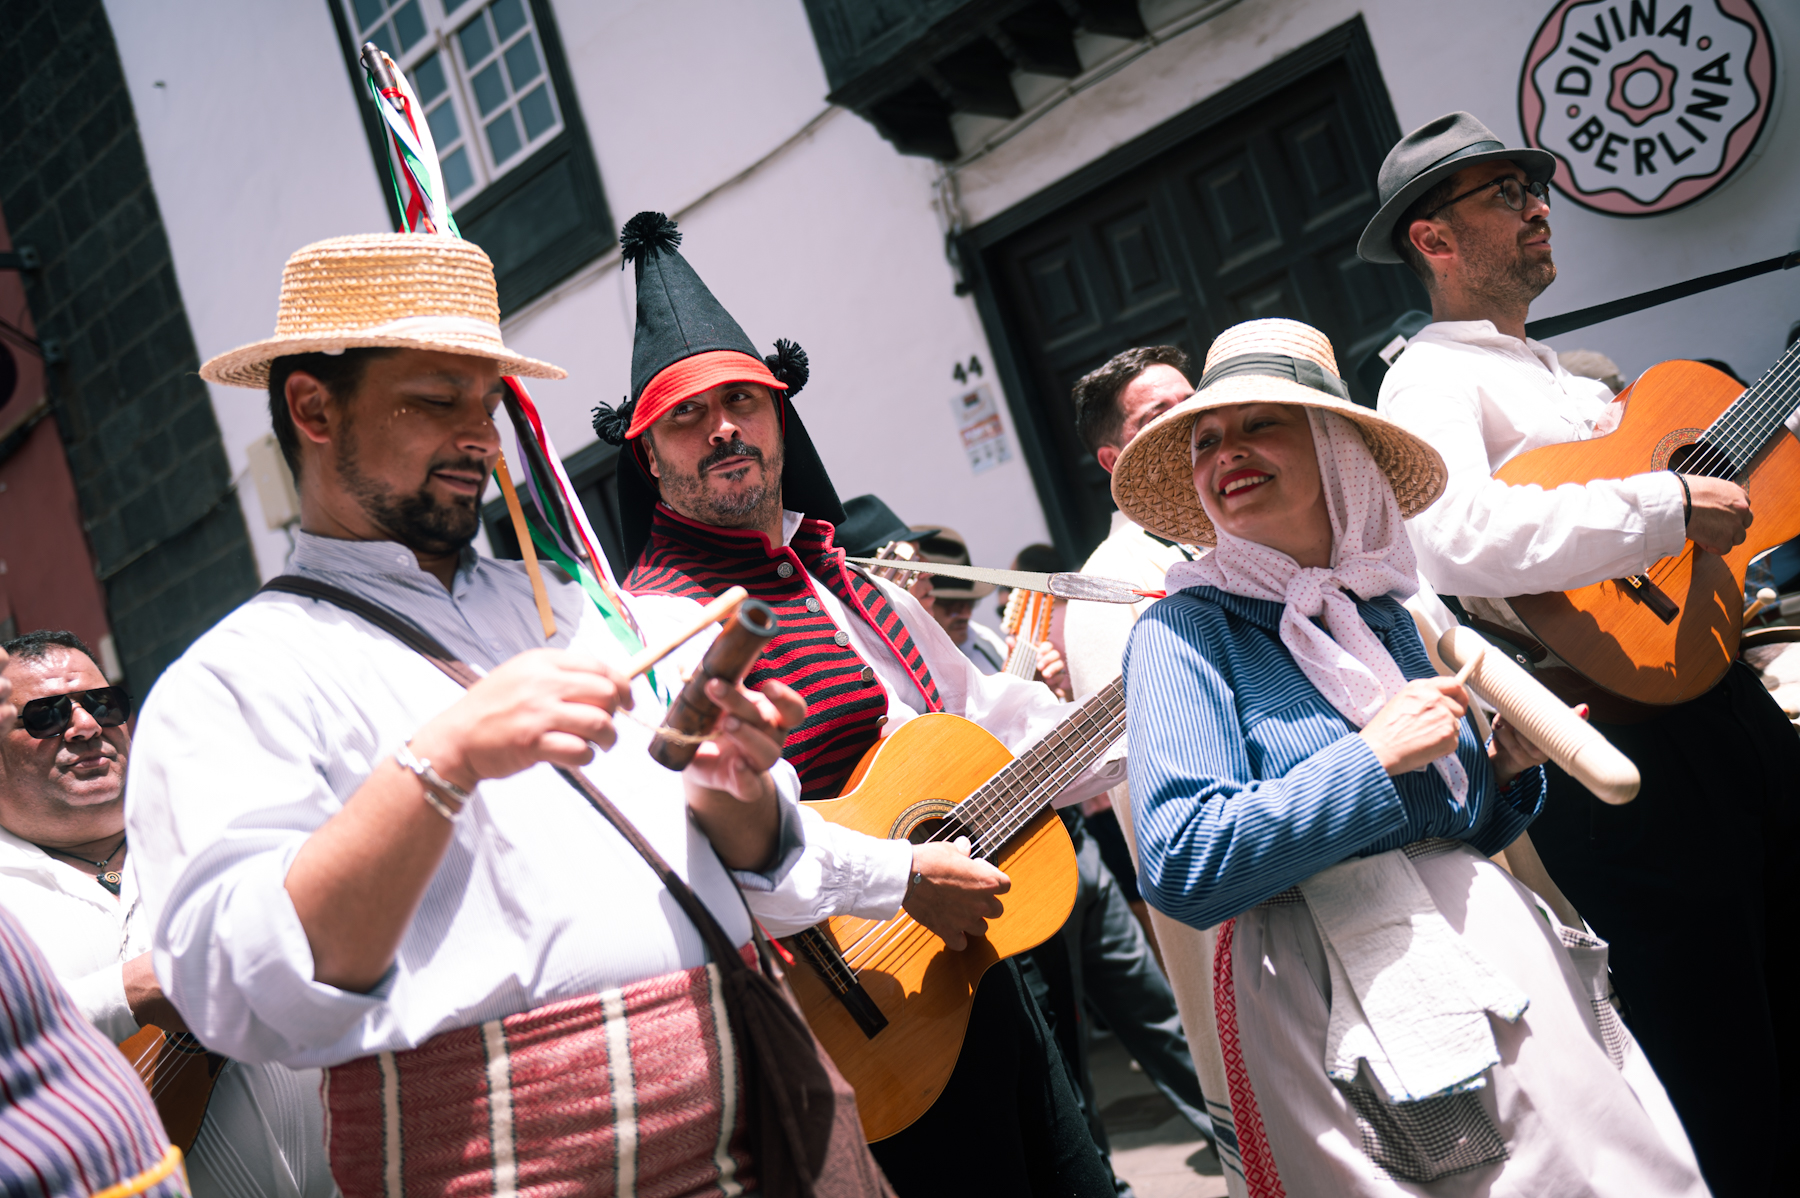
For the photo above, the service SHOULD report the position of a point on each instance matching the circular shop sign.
(1647, 106)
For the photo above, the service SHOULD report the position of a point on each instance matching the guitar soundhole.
(937, 828)
(1683, 450)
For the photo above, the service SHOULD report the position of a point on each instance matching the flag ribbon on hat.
(553, 520)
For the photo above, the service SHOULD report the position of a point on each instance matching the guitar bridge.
(1639, 587)
(824, 956)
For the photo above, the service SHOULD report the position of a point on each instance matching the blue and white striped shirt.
(1246, 781)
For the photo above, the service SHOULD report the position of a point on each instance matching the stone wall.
(151, 476)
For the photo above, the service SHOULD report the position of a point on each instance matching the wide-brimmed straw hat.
(382, 290)
(1259, 361)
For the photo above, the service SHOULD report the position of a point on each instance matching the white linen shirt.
(262, 730)
(843, 872)
(1095, 633)
(1480, 398)
(263, 1136)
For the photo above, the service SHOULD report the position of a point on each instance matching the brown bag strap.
(427, 646)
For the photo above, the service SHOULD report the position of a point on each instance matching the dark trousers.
(1692, 883)
(1101, 957)
(1009, 1122)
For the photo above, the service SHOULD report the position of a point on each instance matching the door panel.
(1256, 215)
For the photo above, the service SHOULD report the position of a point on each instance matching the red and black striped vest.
(845, 701)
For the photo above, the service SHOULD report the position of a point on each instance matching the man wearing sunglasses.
(1685, 864)
(63, 875)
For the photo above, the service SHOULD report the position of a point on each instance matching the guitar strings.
(987, 800)
(885, 957)
(990, 798)
(1768, 397)
(1059, 776)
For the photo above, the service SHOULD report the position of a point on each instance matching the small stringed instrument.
(888, 999)
(1027, 620)
(1669, 634)
(179, 1073)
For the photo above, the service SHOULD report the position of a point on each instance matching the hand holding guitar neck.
(1719, 513)
(693, 713)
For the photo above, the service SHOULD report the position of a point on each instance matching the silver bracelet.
(433, 783)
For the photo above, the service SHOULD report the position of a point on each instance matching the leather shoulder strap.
(427, 646)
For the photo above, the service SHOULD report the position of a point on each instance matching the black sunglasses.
(51, 716)
(1511, 190)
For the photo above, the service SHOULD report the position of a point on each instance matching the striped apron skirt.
(633, 1092)
(1572, 1109)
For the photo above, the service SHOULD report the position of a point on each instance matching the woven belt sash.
(631, 1091)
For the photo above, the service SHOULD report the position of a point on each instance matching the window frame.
(519, 283)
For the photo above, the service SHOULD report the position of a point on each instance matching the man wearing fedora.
(720, 486)
(358, 864)
(1682, 881)
(953, 602)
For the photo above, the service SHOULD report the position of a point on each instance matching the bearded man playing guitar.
(1688, 867)
(720, 486)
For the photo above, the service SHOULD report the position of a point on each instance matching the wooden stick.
(719, 609)
(526, 548)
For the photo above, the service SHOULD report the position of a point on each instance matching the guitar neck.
(1010, 799)
(1738, 437)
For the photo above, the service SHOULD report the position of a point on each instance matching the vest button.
(842, 638)
(784, 570)
(812, 605)
(868, 675)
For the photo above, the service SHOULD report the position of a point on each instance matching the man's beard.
(418, 520)
(690, 495)
(1506, 277)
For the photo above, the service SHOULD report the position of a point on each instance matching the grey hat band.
(1474, 147)
(1304, 371)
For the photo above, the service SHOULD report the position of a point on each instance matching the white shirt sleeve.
(1486, 538)
(842, 872)
(100, 996)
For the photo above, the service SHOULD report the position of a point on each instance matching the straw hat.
(1259, 361)
(386, 290)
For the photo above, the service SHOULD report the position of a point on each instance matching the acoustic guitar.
(1669, 634)
(179, 1073)
(889, 1000)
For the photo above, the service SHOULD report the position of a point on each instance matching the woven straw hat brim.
(382, 291)
(248, 366)
(1153, 480)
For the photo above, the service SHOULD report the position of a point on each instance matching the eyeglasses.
(1511, 190)
(51, 716)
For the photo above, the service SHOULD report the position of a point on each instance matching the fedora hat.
(382, 290)
(1259, 361)
(1426, 157)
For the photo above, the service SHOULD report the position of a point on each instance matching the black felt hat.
(870, 524)
(1428, 155)
(687, 343)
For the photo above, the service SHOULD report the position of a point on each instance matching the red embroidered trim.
(1260, 1176)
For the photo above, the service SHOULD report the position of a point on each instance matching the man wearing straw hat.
(1470, 217)
(1397, 1014)
(358, 864)
(720, 485)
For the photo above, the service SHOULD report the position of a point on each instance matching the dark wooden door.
(1256, 215)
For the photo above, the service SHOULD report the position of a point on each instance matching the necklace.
(108, 878)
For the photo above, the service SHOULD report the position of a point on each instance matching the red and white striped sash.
(633, 1092)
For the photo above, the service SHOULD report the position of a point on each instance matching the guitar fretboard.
(1010, 799)
(1740, 434)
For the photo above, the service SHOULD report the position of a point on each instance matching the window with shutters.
(495, 90)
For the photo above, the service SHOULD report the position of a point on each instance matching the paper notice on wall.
(983, 436)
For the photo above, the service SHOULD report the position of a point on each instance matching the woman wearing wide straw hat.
(1395, 1014)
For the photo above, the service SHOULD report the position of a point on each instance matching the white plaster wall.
(255, 149)
(1466, 54)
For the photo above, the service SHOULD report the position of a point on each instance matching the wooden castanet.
(179, 1073)
(925, 990)
(1603, 630)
